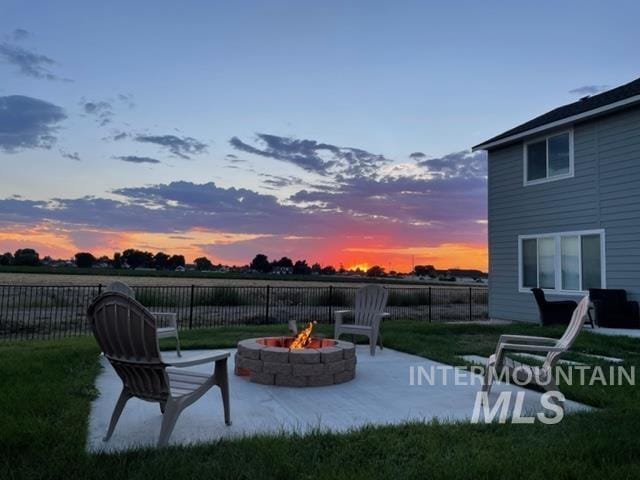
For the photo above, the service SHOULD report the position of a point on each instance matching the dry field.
(51, 279)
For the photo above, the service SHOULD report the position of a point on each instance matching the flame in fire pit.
(302, 339)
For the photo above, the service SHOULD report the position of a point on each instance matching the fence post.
(191, 307)
(266, 310)
(470, 304)
(429, 304)
(330, 302)
(99, 288)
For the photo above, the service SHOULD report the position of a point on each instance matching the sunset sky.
(338, 132)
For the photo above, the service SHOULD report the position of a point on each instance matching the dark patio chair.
(612, 308)
(553, 313)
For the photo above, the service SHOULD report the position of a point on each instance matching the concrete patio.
(380, 394)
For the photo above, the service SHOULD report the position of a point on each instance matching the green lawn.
(46, 389)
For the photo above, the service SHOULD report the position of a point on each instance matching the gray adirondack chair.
(169, 320)
(368, 314)
(553, 347)
(126, 332)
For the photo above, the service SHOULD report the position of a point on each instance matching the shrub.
(408, 298)
(334, 297)
(218, 296)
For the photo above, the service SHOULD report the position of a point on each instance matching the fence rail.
(51, 312)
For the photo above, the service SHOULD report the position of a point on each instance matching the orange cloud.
(444, 255)
(62, 242)
(351, 250)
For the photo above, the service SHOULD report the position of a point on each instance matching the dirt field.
(90, 280)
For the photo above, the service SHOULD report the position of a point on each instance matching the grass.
(47, 389)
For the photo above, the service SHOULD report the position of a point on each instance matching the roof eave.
(558, 123)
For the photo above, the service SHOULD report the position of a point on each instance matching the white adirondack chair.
(168, 319)
(368, 313)
(553, 347)
(126, 333)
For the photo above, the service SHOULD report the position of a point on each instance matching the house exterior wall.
(603, 194)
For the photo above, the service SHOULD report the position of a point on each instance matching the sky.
(338, 132)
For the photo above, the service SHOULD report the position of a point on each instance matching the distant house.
(282, 270)
(564, 203)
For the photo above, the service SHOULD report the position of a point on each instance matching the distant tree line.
(130, 258)
(285, 265)
(23, 256)
(133, 259)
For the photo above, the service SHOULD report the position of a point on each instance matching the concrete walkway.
(626, 332)
(381, 393)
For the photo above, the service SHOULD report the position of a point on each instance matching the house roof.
(618, 97)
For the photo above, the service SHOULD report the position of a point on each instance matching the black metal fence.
(39, 312)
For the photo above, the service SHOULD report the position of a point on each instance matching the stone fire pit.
(269, 361)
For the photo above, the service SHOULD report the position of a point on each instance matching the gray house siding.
(603, 194)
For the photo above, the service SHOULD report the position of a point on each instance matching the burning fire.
(303, 338)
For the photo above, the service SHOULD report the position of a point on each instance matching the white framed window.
(562, 263)
(548, 158)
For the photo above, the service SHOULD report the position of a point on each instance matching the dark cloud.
(102, 110)
(459, 164)
(29, 63)
(19, 34)
(27, 122)
(404, 200)
(280, 182)
(417, 156)
(117, 136)
(589, 89)
(127, 99)
(135, 159)
(71, 156)
(321, 158)
(182, 147)
(450, 189)
(435, 200)
(234, 158)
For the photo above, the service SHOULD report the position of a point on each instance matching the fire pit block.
(262, 378)
(331, 354)
(321, 380)
(305, 355)
(269, 361)
(308, 369)
(291, 381)
(249, 349)
(277, 368)
(343, 377)
(275, 355)
(335, 367)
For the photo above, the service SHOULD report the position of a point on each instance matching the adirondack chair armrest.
(377, 319)
(518, 347)
(170, 317)
(525, 339)
(338, 314)
(198, 359)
